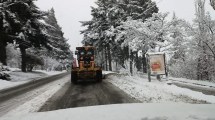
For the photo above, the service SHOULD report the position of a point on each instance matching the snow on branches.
(151, 33)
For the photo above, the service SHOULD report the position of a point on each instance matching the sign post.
(156, 65)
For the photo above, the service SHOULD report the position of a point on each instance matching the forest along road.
(86, 94)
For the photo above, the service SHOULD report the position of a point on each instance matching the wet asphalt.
(86, 94)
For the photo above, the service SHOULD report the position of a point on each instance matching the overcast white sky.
(70, 12)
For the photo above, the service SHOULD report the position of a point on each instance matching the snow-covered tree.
(212, 3)
(178, 40)
(178, 49)
(97, 33)
(32, 61)
(107, 16)
(13, 56)
(19, 20)
(198, 53)
(9, 26)
(138, 9)
(152, 33)
(60, 47)
(204, 38)
(145, 36)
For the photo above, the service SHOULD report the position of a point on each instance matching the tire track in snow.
(37, 98)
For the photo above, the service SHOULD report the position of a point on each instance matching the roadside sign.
(156, 64)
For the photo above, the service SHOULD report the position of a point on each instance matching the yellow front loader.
(86, 69)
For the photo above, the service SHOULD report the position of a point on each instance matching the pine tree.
(60, 47)
(9, 26)
(139, 9)
(212, 3)
(110, 14)
(20, 21)
(100, 26)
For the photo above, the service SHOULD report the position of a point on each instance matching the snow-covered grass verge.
(18, 77)
(156, 91)
(136, 111)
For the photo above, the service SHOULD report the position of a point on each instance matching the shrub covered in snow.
(33, 61)
(4, 75)
(13, 56)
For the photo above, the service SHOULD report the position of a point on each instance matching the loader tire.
(74, 78)
(99, 76)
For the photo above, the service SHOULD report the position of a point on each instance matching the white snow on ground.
(157, 91)
(51, 72)
(137, 111)
(18, 77)
(35, 104)
(107, 72)
(7, 84)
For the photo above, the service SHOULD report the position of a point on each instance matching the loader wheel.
(74, 78)
(99, 75)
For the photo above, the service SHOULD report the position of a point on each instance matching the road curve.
(87, 94)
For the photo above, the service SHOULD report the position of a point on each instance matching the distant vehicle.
(86, 68)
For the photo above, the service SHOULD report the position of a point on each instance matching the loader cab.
(85, 55)
(84, 52)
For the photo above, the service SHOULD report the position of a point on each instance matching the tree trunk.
(102, 55)
(116, 66)
(131, 62)
(23, 55)
(31, 68)
(138, 62)
(106, 59)
(144, 63)
(3, 55)
(109, 57)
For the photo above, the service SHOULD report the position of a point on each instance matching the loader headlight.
(92, 58)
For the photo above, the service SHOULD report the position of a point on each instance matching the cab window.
(82, 53)
(90, 53)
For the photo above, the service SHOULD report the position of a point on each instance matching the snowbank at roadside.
(107, 72)
(196, 82)
(34, 104)
(51, 72)
(156, 91)
(18, 77)
(136, 111)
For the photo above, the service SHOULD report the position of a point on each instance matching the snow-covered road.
(60, 94)
(32, 100)
(87, 94)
